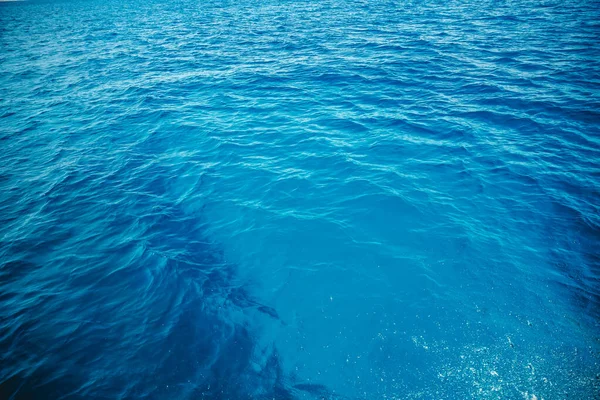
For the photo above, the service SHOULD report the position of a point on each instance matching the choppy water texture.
(299, 200)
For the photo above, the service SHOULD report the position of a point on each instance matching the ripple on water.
(299, 200)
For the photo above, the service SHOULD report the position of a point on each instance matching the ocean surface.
(299, 199)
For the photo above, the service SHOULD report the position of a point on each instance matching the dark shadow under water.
(138, 304)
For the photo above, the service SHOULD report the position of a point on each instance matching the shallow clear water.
(293, 199)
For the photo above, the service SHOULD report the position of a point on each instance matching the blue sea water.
(300, 199)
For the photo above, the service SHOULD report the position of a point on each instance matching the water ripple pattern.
(299, 199)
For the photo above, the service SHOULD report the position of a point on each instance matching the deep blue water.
(300, 199)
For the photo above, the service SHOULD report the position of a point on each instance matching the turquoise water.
(299, 200)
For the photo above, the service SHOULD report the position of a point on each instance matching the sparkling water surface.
(299, 199)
